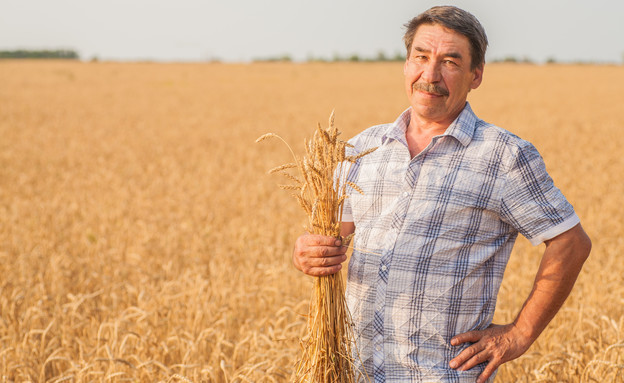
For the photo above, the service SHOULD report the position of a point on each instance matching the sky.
(244, 30)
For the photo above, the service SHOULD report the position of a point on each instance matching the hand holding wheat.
(318, 255)
(320, 189)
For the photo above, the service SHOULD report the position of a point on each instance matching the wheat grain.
(265, 136)
(360, 155)
(293, 178)
(355, 187)
(290, 187)
(282, 167)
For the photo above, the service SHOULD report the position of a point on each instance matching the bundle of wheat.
(321, 191)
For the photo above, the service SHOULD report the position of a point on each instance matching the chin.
(429, 107)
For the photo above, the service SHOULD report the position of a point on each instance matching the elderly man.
(445, 196)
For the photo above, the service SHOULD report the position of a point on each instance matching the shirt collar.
(462, 128)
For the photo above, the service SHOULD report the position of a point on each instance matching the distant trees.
(379, 57)
(514, 60)
(65, 54)
(279, 58)
(354, 57)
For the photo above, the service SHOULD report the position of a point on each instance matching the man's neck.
(420, 132)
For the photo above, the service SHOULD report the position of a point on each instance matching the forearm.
(560, 266)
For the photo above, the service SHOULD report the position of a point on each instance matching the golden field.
(141, 239)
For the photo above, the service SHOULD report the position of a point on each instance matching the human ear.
(477, 77)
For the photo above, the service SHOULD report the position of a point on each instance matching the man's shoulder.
(491, 134)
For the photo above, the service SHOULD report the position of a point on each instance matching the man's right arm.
(319, 255)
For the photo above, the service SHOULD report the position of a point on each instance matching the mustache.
(430, 88)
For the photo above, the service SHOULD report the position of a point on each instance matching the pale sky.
(241, 30)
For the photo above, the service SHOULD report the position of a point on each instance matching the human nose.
(431, 72)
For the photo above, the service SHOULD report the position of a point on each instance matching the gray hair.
(457, 20)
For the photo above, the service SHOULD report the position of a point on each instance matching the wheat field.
(141, 239)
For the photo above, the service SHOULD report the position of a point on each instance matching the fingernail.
(338, 242)
(453, 364)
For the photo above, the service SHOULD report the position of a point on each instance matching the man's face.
(438, 75)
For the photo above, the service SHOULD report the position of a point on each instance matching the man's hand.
(318, 255)
(496, 345)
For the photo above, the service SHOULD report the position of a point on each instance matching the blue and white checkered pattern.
(433, 237)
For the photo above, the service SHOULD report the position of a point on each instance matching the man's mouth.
(433, 89)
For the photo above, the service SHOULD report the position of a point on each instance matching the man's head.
(454, 19)
(442, 64)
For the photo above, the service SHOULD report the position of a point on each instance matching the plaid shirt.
(433, 237)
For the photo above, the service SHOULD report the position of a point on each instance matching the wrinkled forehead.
(436, 36)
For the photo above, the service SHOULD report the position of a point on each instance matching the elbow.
(586, 245)
(575, 243)
(582, 245)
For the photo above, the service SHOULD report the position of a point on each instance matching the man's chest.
(441, 185)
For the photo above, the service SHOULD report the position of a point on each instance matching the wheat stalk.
(327, 355)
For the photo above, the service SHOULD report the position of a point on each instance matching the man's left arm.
(560, 266)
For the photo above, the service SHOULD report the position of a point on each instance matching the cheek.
(452, 82)
(409, 80)
(408, 88)
(411, 75)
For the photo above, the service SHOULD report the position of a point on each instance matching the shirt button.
(378, 348)
(405, 194)
(384, 268)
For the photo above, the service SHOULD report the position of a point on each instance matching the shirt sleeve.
(531, 203)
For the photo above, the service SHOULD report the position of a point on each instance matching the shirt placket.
(389, 244)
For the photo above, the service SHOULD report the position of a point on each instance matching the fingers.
(319, 240)
(466, 361)
(319, 255)
(467, 358)
(488, 371)
(496, 345)
(323, 270)
(470, 336)
(473, 356)
(468, 353)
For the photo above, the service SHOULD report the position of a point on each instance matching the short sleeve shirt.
(433, 236)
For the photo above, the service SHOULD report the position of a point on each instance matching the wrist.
(525, 333)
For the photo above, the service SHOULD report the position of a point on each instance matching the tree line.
(65, 54)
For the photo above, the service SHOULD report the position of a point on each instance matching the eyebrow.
(455, 55)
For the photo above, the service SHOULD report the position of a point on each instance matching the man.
(445, 195)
